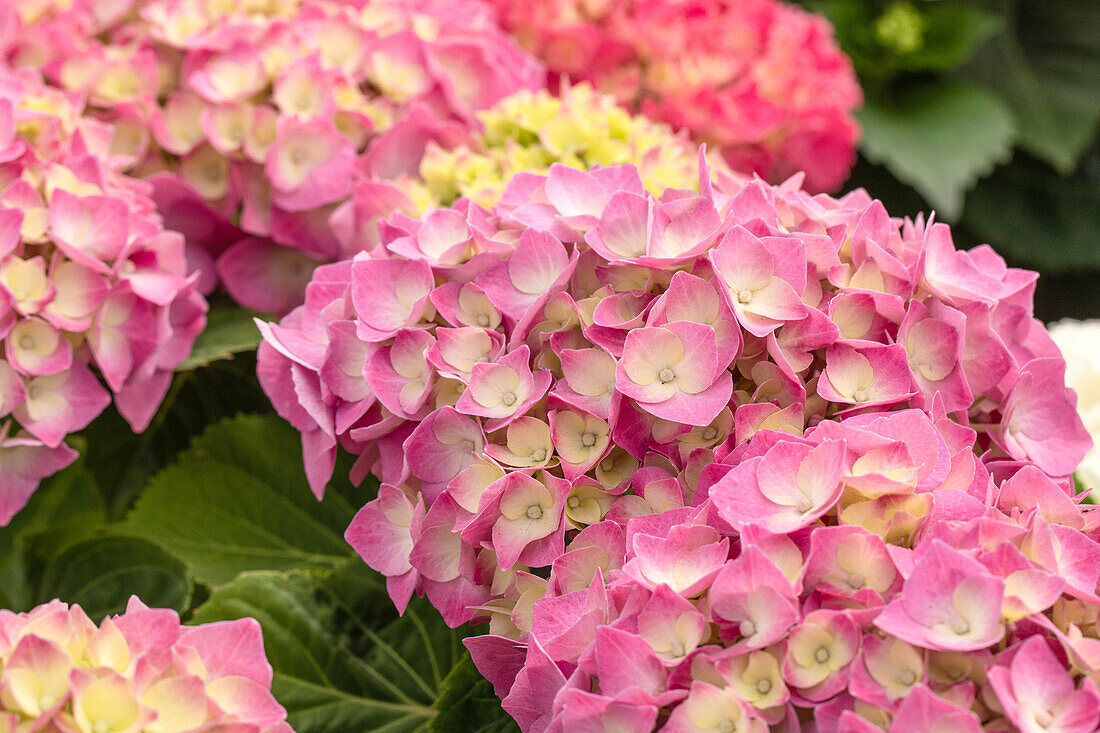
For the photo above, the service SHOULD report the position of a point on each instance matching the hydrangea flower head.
(728, 457)
(89, 279)
(763, 81)
(276, 133)
(138, 671)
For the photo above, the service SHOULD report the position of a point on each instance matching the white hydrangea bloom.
(1080, 344)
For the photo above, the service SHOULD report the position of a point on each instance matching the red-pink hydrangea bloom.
(722, 460)
(276, 135)
(89, 279)
(137, 671)
(762, 80)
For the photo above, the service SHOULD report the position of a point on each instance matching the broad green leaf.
(65, 508)
(101, 573)
(1041, 219)
(229, 330)
(467, 703)
(123, 462)
(1047, 66)
(940, 139)
(238, 500)
(343, 659)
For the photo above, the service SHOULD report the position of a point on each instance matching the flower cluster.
(763, 80)
(768, 452)
(88, 277)
(139, 671)
(1079, 341)
(274, 132)
(529, 132)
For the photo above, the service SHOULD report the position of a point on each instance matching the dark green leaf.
(101, 573)
(1067, 295)
(66, 508)
(940, 139)
(123, 462)
(238, 500)
(343, 659)
(1039, 218)
(467, 703)
(229, 330)
(1047, 66)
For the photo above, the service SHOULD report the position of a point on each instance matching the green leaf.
(940, 139)
(229, 330)
(343, 659)
(467, 703)
(1047, 66)
(102, 573)
(1038, 218)
(65, 508)
(238, 500)
(123, 462)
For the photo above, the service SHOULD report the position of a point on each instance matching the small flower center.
(764, 686)
(821, 655)
(26, 342)
(608, 465)
(573, 502)
(588, 440)
(483, 320)
(856, 581)
(534, 512)
(538, 455)
(508, 398)
(666, 376)
(859, 396)
(907, 678)
(744, 297)
(726, 726)
(710, 433)
(961, 627)
(747, 628)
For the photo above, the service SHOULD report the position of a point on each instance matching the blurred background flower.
(762, 80)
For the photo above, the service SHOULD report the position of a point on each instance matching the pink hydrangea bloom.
(276, 135)
(90, 281)
(724, 460)
(762, 80)
(138, 671)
